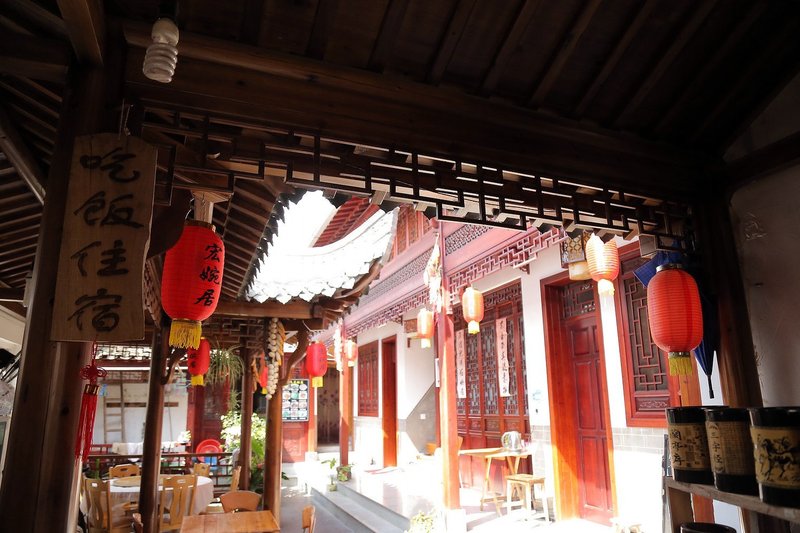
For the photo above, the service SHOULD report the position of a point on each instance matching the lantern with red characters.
(472, 308)
(425, 327)
(603, 259)
(351, 352)
(316, 362)
(675, 315)
(199, 359)
(191, 282)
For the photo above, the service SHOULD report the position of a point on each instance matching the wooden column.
(247, 418)
(446, 350)
(39, 480)
(345, 410)
(312, 420)
(151, 447)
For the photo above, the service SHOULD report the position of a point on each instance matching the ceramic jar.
(776, 443)
(688, 445)
(730, 449)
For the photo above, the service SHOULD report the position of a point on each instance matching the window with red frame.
(368, 379)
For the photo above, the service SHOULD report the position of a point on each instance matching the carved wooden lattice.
(578, 298)
(368, 379)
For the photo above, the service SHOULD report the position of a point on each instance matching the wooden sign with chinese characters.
(106, 234)
(461, 365)
(501, 334)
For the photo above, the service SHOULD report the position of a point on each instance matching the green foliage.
(330, 462)
(423, 523)
(225, 366)
(232, 434)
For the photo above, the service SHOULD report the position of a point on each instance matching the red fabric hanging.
(425, 327)
(191, 281)
(472, 307)
(83, 440)
(199, 361)
(263, 379)
(675, 315)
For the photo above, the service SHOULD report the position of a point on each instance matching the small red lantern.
(191, 282)
(351, 352)
(262, 379)
(675, 315)
(425, 327)
(472, 307)
(316, 362)
(199, 359)
(603, 259)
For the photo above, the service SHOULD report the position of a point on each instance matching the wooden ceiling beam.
(621, 47)
(769, 159)
(86, 28)
(321, 29)
(509, 46)
(16, 150)
(292, 310)
(34, 57)
(688, 31)
(390, 28)
(11, 295)
(447, 46)
(39, 16)
(568, 44)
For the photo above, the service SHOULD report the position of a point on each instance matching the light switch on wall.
(422, 416)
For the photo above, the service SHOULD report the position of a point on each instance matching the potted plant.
(424, 523)
(332, 465)
(343, 472)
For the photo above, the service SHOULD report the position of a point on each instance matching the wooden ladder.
(114, 415)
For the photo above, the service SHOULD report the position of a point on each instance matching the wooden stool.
(528, 483)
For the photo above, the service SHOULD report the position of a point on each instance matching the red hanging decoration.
(83, 440)
(425, 327)
(316, 362)
(191, 281)
(472, 307)
(603, 259)
(351, 352)
(263, 379)
(675, 315)
(199, 360)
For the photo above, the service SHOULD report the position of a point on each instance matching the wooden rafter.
(390, 27)
(458, 22)
(323, 24)
(568, 44)
(18, 154)
(85, 21)
(252, 14)
(39, 16)
(688, 31)
(521, 22)
(33, 57)
(771, 158)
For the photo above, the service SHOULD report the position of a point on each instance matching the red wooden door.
(594, 480)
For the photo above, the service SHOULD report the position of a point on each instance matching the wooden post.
(151, 447)
(448, 420)
(247, 418)
(312, 420)
(39, 480)
(345, 408)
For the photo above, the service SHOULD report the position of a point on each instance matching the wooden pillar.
(151, 447)
(39, 480)
(247, 418)
(448, 419)
(312, 420)
(345, 410)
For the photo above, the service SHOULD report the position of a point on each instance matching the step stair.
(358, 512)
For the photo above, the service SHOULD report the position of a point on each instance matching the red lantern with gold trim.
(191, 282)
(351, 352)
(425, 327)
(263, 379)
(472, 308)
(675, 315)
(199, 359)
(603, 259)
(316, 362)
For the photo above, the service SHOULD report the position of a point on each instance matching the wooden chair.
(240, 500)
(128, 470)
(177, 498)
(138, 526)
(309, 518)
(201, 469)
(98, 517)
(235, 478)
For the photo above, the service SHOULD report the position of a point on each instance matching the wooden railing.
(171, 463)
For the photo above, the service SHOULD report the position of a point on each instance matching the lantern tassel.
(197, 381)
(680, 364)
(605, 286)
(263, 390)
(316, 382)
(185, 334)
(426, 343)
(83, 441)
(473, 327)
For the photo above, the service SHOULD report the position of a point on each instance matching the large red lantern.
(603, 259)
(675, 315)
(425, 327)
(199, 359)
(351, 352)
(472, 307)
(263, 379)
(316, 362)
(191, 282)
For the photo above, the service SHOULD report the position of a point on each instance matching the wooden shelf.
(752, 503)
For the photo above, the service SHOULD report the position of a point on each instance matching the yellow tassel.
(605, 286)
(264, 390)
(316, 382)
(197, 381)
(680, 364)
(185, 334)
(426, 343)
(473, 327)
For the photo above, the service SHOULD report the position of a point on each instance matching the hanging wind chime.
(425, 327)
(603, 260)
(316, 363)
(675, 316)
(83, 440)
(191, 282)
(472, 308)
(276, 337)
(199, 361)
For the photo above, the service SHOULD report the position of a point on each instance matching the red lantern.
(603, 259)
(472, 307)
(191, 282)
(199, 359)
(425, 327)
(262, 379)
(351, 352)
(675, 315)
(316, 362)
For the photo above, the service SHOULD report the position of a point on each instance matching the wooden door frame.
(563, 429)
(389, 401)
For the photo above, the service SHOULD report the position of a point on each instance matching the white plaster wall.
(12, 329)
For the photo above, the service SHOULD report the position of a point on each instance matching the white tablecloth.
(135, 448)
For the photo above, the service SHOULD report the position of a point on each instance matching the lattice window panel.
(578, 299)
(368, 380)
(521, 330)
(489, 367)
(473, 375)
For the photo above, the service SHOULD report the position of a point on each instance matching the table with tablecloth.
(135, 448)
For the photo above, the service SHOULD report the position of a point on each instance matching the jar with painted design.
(776, 444)
(688, 445)
(730, 449)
